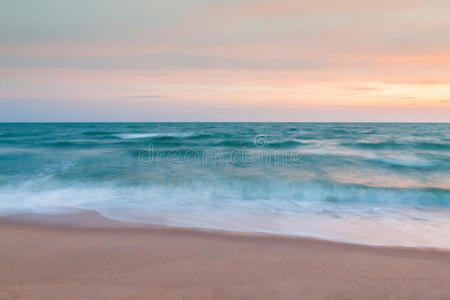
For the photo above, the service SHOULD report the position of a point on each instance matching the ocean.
(368, 183)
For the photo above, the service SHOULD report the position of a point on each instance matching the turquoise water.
(358, 182)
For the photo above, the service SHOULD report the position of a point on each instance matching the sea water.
(370, 183)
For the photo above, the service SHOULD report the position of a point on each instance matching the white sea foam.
(404, 161)
(130, 136)
(388, 157)
(228, 209)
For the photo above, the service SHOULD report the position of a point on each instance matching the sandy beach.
(85, 256)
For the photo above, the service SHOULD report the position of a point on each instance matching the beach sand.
(84, 256)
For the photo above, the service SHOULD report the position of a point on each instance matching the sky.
(225, 60)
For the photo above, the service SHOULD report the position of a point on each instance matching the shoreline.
(61, 257)
(91, 219)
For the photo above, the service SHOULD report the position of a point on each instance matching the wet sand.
(84, 256)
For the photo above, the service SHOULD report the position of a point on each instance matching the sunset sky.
(224, 60)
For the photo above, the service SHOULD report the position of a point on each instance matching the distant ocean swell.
(367, 183)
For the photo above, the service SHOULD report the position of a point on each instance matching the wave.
(245, 206)
(128, 136)
(399, 145)
(71, 144)
(285, 144)
(434, 146)
(132, 136)
(411, 162)
(16, 134)
(389, 157)
(251, 144)
(96, 133)
(234, 143)
(229, 191)
(201, 136)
